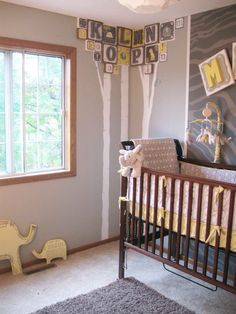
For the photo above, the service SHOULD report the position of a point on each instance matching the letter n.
(151, 34)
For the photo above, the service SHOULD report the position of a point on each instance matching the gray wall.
(68, 208)
(221, 33)
(168, 114)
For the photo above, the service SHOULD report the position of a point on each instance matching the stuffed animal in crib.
(131, 159)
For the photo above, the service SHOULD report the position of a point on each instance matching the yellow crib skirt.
(163, 214)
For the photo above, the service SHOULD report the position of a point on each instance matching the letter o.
(111, 53)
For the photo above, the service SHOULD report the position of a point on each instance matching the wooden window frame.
(69, 54)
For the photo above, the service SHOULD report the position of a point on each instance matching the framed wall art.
(108, 68)
(216, 73)
(234, 59)
(179, 23)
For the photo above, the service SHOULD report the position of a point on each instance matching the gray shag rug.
(125, 296)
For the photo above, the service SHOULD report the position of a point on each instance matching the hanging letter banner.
(124, 46)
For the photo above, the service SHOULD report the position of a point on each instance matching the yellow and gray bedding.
(228, 176)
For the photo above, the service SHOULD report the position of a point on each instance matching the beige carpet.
(126, 296)
(95, 268)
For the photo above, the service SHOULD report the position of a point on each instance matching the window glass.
(2, 94)
(2, 117)
(17, 81)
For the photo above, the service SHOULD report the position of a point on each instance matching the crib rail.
(158, 221)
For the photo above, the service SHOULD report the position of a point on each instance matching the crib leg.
(122, 240)
(121, 265)
(123, 205)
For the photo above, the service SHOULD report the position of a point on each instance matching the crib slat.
(235, 279)
(147, 211)
(208, 224)
(229, 233)
(196, 242)
(172, 197)
(217, 241)
(179, 220)
(189, 214)
(133, 218)
(163, 205)
(140, 223)
(156, 184)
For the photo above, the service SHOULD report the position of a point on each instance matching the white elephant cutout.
(10, 242)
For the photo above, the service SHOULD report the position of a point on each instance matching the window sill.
(35, 177)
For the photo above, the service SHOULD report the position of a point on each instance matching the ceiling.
(111, 12)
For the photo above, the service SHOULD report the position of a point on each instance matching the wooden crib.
(184, 221)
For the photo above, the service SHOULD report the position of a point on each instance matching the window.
(37, 111)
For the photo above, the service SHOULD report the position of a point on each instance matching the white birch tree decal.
(148, 86)
(105, 87)
(124, 102)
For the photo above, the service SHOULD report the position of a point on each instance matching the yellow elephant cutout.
(10, 242)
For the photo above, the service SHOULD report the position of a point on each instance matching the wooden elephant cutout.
(10, 242)
(55, 248)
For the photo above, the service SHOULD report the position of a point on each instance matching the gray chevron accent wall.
(211, 32)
